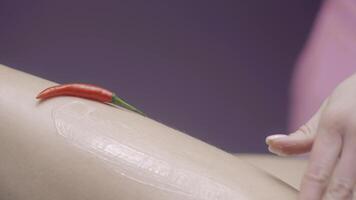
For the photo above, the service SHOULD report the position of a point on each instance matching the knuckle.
(318, 176)
(305, 130)
(340, 189)
(334, 119)
(334, 115)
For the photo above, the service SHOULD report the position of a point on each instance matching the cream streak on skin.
(126, 157)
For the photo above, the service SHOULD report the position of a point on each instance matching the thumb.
(301, 141)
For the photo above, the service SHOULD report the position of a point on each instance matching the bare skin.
(72, 148)
(330, 135)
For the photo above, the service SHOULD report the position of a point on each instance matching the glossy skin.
(72, 148)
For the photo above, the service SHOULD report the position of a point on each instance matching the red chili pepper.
(86, 91)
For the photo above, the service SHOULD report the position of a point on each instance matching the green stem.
(120, 102)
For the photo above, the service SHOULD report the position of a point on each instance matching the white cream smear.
(90, 130)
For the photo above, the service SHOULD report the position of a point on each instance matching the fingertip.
(272, 138)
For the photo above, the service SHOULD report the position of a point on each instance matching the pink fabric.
(328, 58)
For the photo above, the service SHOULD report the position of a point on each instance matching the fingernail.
(276, 151)
(274, 137)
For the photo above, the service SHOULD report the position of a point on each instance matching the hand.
(331, 136)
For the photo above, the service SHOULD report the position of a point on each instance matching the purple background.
(218, 70)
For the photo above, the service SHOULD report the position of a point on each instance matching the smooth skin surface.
(72, 148)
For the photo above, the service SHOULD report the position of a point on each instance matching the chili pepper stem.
(120, 102)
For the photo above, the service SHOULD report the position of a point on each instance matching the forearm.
(71, 148)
